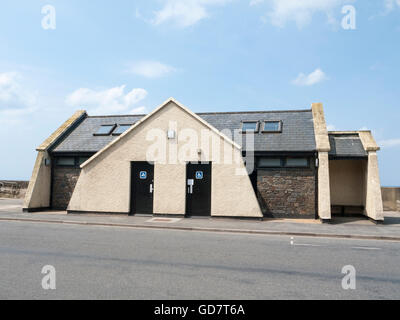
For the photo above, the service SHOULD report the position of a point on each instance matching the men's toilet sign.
(143, 175)
(199, 175)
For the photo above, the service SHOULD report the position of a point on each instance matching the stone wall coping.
(63, 128)
(320, 129)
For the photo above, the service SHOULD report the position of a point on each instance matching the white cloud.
(255, 2)
(389, 143)
(12, 93)
(150, 69)
(301, 12)
(109, 101)
(16, 101)
(388, 7)
(308, 80)
(185, 13)
(391, 4)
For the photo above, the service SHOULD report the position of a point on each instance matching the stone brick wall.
(287, 192)
(64, 182)
(391, 199)
(13, 189)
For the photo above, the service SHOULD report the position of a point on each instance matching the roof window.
(121, 129)
(249, 126)
(105, 130)
(272, 126)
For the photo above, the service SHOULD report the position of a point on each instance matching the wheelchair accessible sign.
(143, 175)
(199, 175)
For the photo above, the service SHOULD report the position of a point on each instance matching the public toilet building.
(174, 162)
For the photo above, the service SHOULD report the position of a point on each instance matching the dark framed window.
(297, 162)
(283, 162)
(105, 130)
(249, 126)
(269, 162)
(65, 161)
(70, 161)
(121, 129)
(272, 127)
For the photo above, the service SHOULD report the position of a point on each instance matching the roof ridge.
(118, 116)
(207, 113)
(265, 111)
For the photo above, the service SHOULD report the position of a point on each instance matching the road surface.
(120, 263)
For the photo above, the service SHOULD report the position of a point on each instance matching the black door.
(198, 189)
(142, 187)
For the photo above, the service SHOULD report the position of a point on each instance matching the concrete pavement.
(341, 227)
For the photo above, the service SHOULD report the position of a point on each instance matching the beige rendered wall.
(323, 148)
(38, 193)
(347, 182)
(232, 195)
(324, 194)
(374, 205)
(373, 191)
(170, 188)
(104, 183)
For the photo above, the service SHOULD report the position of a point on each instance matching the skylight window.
(105, 130)
(121, 129)
(249, 126)
(272, 126)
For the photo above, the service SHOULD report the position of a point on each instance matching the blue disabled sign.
(143, 175)
(199, 175)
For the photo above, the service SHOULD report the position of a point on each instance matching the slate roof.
(297, 130)
(346, 145)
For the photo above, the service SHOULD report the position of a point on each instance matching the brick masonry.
(64, 182)
(287, 192)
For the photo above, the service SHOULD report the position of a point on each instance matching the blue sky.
(212, 55)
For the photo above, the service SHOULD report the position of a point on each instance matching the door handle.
(190, 184)
(151, 188)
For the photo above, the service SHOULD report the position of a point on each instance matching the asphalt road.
(121, 263)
